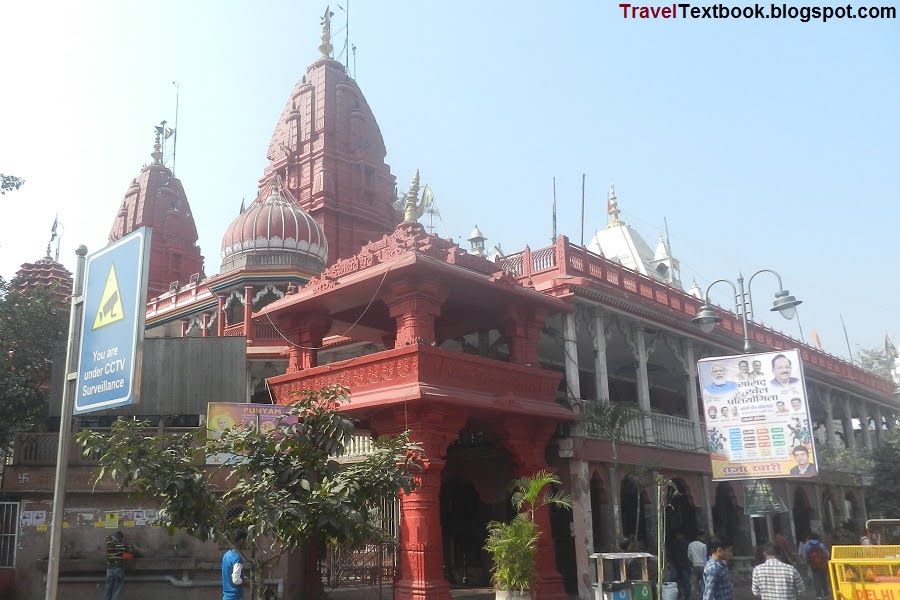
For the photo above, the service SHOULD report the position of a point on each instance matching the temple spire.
(325, 47)
(612, 207)
(157, 154)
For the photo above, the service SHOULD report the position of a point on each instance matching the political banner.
(757, 416)
(222, 416)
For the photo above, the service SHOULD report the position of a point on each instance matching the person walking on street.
(115, 565)
(775, 580)
(232, 569)
(696, 552)
(716, 580)
(817, 559)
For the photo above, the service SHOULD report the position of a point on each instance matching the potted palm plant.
(513, 545)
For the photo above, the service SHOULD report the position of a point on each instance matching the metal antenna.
(553, 239)
(354, 60)
(175, 132)
(583, 177)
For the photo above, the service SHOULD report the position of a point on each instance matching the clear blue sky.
(765, 144)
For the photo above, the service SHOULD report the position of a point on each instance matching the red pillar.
(305, 332)
(421, 550)
(184, 327)
(205, 325)
(414, 304)
(523, 328)
(526, 440)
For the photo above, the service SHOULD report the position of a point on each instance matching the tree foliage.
(513, 545)
(885, 490)
(290, 483)
(32, 326)
(9, 183)
(875, 360)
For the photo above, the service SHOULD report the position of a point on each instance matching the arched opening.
(474, 491)
(633, 503)
(681, 514)
(726, 512)
(601, 514)
(803, 511)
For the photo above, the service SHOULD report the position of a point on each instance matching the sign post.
(108, 346)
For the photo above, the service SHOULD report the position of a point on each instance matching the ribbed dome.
(276, 226)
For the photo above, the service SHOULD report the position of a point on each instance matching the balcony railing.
(565, 258)
(668, 431)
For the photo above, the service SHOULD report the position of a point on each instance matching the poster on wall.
(222, 416)
(757, 416)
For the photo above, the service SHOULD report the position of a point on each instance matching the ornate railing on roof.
(566, 258)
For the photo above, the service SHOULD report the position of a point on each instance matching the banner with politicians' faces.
(757, 416)
(222, 416)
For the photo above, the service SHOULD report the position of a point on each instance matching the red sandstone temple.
(323, 281)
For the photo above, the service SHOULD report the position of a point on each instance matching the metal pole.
(583, 176)
(65, 425)
(740, 281)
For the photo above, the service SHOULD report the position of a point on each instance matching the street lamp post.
(707, 318)
(784, 303)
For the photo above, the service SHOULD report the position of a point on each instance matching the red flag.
(816, 340)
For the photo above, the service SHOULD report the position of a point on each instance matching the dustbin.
(670, 591)
(640, 590)
(613, 590)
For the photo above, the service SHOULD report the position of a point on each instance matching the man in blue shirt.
(716, 581)
(232, 569)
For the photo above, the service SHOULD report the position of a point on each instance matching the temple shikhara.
(326, 277)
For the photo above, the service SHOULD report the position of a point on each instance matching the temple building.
(484, 357)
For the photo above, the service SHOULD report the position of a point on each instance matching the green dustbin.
(641, 590)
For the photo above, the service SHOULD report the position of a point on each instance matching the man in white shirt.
(697, 555)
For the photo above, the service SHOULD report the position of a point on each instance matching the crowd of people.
(783, 572)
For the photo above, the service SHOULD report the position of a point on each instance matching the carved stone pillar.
(421, 550)
(615, 500)
(526, 440)
(830, 438)
(522, 328)
(220, 315)
(693, 409)
(204, 325)
(248, 311)
(582, 522)
(643, 381)
(414, 304)
(847, 424)
(185, 323)
(601, 368)
(570, 345)
(879, 424)
(864, 423)
(707, 501)
(305, 333)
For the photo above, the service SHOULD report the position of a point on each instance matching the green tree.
(513, 545)
(9, 183)
(608, 420)
(32, 326)
(290, 483)
(875, 360)
(885, 490)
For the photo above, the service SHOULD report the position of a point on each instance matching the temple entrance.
(474, 491)
(726, 512)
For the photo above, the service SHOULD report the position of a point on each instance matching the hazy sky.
(764, 144)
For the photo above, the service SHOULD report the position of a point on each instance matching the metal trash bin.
(612, 590)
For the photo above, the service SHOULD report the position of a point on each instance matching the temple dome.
(45, 273)
(275, 227)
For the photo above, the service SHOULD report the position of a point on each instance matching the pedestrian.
(785, 549)
(697, 555)
(681, 565)
(716, 581)
(776, 580)
(232, 569)
(817, 559)
(116, 553)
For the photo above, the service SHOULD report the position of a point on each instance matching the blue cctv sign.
(112, 325)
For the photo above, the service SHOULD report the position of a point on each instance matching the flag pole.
(847, 339)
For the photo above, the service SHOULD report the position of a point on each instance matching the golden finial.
(612, 207)
(157, 147)
(410, 205)
(325, 47)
